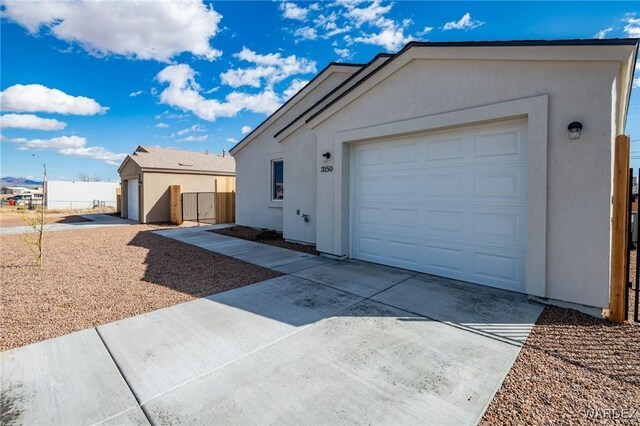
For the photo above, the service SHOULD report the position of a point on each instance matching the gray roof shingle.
(151, 157)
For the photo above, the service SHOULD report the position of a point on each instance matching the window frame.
(272, 188)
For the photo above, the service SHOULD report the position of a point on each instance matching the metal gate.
(199, 206)
(632, 293)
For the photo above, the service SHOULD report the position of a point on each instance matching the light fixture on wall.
(575, 128)
(326, 155)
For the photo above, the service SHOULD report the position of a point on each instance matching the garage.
(450, 203)
(132, 200)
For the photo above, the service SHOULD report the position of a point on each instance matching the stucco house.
(486, 162)
(147, 174)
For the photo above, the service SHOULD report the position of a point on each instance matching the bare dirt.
(95, 276)
(265, 236)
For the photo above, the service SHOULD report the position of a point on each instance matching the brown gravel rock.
(265, 236)
(95, 276)
(573, 369)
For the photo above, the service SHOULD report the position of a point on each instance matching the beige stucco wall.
(576, 227)
(156, 196)
(254, 206)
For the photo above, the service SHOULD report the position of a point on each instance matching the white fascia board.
(605, 53)
(301, 120)
(317, 80)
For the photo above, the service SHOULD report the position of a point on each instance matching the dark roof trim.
(296, 96)
(340, 86)
(508, 43)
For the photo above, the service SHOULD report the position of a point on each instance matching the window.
(277, 179)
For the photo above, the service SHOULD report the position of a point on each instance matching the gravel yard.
(572, 370)
(96, 276)
(265, 236)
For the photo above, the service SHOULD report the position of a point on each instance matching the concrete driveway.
(333, 342)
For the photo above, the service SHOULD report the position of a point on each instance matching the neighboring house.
(453, 159)
(80, 195)
(147, 174)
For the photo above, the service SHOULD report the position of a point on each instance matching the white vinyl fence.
(80, 195)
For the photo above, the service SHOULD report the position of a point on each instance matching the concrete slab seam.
(124, 377)
(226, 364)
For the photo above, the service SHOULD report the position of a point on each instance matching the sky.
(83, 83)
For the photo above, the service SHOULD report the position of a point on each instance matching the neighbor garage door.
(451, 203)
(133, 206)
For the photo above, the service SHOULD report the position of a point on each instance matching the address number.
(326, 169)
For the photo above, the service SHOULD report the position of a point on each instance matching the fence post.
(118, 199)
(619, 227)
(175, 205)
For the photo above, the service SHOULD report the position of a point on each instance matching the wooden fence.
(223, 203)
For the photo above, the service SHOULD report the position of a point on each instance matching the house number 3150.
(326, 169)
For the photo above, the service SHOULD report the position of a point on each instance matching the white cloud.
(306, 33)
(425, 31)
(391, 35)
(136, 93)
(632, 29)
(464, 23)
(38, 98)
(271, 68)
(29, 121)
(72, 146)
(636, 82)
(136, 29)
(245, 130)
(162, 125)
(232, 140)
(293, 11)
(295, 87)
(171, 115)
(183, 92)
(193, 129)
(193, 138)
(343, 53)
(369, 14)
(603, 33)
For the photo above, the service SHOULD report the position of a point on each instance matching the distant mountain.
(16, 181)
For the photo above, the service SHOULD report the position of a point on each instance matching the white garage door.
(452, 203)
(133, 209)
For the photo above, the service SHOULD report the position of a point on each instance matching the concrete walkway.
(330, 343)
(97, 221)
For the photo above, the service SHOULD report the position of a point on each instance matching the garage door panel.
(453, 204)
(404, 153)
(499, 184)
(499, 228)
(371, 247)
(371, 156)
(406, 253)
(448, 185)
(493, 266)
(491, 144)
(406, 219)
(445, 149)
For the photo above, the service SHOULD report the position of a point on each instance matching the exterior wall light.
(574, 130)
(326, 155)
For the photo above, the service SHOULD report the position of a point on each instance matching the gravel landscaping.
(573, 369)
(95, 276)
(265, 236)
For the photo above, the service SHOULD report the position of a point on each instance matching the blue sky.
(84, 83)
